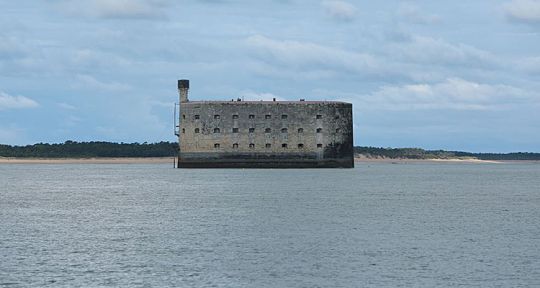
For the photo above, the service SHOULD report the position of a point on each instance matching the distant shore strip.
(164, 160)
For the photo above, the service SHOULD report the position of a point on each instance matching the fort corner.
(264, 134)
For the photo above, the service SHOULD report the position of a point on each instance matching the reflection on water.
(376, 225)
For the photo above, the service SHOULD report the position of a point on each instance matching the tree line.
(96, 149)
(418, 153)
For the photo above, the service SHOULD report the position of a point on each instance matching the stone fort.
(263, 134)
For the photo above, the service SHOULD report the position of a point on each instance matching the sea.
(418, 224)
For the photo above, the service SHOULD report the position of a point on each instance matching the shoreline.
(404, 161)
(449, 160)
(170, 160)
(104, 160)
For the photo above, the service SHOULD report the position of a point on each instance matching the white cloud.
(11, 48)
(529, 65)
(339, 10)
(269, 70)
(86, 59)
(119, 9)
(524, 10)
(412, 14)
(437, 51)
(87, 81)
(309, 56)
(413, 58)
(453, 93)
(15, 102)
(66, 106)
(256, 96)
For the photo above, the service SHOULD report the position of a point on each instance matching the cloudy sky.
(458, 75)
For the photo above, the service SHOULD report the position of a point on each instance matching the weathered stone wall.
(324, 139)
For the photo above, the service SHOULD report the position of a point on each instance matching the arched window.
(216, 116)
(300, 130)
(251, 130)
(196, 116)
(251, 116)
(284, 130)
(216, 145)
(300, 145)
(319, 130)
(319, 116)
(183, 130)
(197, 130)
(251, 145)
(338, 130)
(268, 145)
(267, 130)
(319, 145)
(235, 116)
(284, 145)
(267, 116)
(235, 146)
(216, 130)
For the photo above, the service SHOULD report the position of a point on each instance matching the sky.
(453, 75)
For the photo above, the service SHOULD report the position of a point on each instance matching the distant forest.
(73, 149)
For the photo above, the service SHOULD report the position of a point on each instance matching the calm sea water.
(379, 225)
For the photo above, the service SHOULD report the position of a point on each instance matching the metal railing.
(176, 120)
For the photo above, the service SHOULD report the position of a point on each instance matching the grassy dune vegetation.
(417, 153)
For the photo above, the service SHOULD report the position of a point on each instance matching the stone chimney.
(183, 87)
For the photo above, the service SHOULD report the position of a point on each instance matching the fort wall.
(269, 134)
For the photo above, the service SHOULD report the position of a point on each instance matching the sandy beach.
(141, 160)
(157, 160)
(362, 158)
